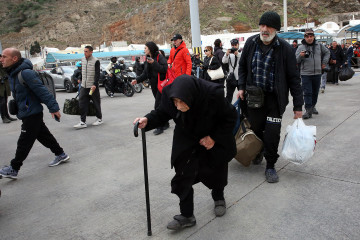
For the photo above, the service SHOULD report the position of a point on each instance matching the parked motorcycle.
(122, 83)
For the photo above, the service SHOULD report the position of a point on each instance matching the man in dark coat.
(4, 94)
(268, 66)
(203, 142)
(219, 53)
(337, 59)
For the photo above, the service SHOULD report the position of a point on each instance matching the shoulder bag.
(215, 74)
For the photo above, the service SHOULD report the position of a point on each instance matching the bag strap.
(210, 60)
(235, 62)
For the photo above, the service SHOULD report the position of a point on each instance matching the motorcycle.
(122, 83)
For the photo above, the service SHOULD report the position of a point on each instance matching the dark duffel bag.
(346, 73)
(71, 107)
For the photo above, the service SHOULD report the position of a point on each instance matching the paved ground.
(99, 194)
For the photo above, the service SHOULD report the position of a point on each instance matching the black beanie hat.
(271, 19)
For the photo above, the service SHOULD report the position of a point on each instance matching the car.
(62, 76)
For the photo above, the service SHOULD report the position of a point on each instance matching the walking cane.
(145, 175)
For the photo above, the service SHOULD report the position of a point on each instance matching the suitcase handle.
(136, 132)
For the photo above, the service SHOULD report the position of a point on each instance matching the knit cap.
(271, 19)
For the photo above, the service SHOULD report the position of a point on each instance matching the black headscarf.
(196, 93)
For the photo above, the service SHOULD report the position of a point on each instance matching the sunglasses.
(206, 50)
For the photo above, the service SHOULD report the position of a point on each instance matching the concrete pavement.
(99, 193)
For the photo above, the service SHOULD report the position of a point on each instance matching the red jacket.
(182, 63)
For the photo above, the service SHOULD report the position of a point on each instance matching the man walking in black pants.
(89, 88)
(267, 72)
(28, 98)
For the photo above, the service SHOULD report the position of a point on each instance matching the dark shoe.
(158, 131)
(5, 120)
(180, 222)
(11, 119)
(314, 111)
(166, 126)
(307, 114)
(258, 158)
(59, 159)
(220, 208)
(271, 175)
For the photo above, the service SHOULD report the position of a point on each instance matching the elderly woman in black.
(210, 62)
(203, 143)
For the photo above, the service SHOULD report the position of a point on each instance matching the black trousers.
(230, 92)
(266, 123)
(333, 75)
(190, 169)
(113, 82)
(3, 106)
(33, 128)
(84, 100)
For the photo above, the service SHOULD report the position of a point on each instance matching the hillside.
(62, 23)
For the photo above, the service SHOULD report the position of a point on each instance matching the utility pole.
(285, 16)
(195, 26)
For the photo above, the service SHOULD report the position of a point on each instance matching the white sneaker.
(97, 122)
(80, 125)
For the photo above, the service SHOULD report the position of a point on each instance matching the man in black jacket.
(219, 53)
(337, 59)
(268, 65)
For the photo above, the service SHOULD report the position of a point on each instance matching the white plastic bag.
(299, 142)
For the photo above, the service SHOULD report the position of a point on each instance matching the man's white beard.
(267, 39)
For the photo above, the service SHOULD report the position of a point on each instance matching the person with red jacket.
(179, 59)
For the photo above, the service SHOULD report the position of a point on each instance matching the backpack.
(46, 80)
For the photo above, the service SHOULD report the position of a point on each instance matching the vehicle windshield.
(69, 70)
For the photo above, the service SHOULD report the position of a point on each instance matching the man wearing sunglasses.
(312, 58)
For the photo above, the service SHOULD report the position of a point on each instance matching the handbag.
(254, 97)
(346, 73)
(248, 145)
(215, 74)
(230, 79)
(71, 107)
(169, 78)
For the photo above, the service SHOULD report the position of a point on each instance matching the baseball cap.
(234, 41)
(176, 37)
(309, 31)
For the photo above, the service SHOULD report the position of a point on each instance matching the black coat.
(338, 55)
(209, 115)
(138, 68)
(151, 71)
(286, 75)
(215, 64)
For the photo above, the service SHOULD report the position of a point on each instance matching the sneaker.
(5, 120)
(158, 131)
(111, 95)
(180, 222)
(259, 158)
(59, 159)
(9, 172)
(322, 90)
(220, 208)
(271, 175)
(98, 122)
(80, 125)
(336, 83)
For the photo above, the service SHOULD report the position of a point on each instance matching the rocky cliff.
(62, 23)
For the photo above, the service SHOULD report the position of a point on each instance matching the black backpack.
(46, 80)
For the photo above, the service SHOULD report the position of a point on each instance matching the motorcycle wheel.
(128, 89)
(107, 87)
(138, 87)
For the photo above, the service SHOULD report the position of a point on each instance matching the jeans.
(310, 86)
(323, 80)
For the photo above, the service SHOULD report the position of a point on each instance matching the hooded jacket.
(319, 55)
(286, 75)
(180, 60)
(30, 95)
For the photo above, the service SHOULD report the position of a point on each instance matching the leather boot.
(307, 114)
